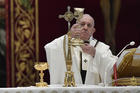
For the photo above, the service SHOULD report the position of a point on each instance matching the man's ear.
(93, 30)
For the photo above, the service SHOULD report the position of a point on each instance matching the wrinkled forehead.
(87, 18)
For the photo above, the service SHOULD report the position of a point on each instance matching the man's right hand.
(75, 31)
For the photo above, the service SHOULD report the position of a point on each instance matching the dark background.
(2, 45)
(51, 27)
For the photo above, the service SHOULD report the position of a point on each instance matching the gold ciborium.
(41, 66)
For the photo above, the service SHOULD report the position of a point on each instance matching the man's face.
(87, 27)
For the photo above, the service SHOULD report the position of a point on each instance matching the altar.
(78, 89)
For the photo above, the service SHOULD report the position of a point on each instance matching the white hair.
(88, 15)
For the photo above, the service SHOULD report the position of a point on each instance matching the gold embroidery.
(24, 41)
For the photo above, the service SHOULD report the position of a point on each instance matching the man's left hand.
(87, 48)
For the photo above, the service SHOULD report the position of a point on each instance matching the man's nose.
(85, 27)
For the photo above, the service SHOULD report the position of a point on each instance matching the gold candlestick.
(41, 66)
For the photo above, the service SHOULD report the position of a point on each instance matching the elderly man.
(94, 58)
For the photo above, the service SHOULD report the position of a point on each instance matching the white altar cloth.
(78, 89)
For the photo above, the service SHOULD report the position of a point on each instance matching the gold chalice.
(41, 66)
(78, 13)
(77, 41)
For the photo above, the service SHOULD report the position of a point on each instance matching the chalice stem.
(41, 76)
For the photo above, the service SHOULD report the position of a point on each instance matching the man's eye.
(82, 24)
(89, 25)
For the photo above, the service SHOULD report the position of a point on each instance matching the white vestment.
(98, 67)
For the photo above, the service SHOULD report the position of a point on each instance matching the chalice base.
(41, 84)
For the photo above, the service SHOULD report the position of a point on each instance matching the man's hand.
(87, 48)
(75, 31)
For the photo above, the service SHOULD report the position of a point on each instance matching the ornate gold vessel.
(41, 66)
(131, 81)
(128, 74)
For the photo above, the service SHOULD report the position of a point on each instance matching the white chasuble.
(98, 67)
